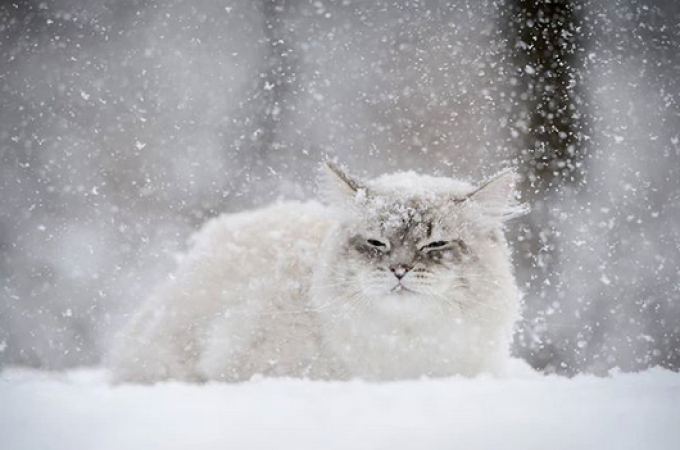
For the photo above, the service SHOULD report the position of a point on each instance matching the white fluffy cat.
(399, 277)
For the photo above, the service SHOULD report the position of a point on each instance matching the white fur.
(268, 292)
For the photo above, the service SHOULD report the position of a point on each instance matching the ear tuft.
(498, 198)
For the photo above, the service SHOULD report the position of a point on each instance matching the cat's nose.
(399, 270)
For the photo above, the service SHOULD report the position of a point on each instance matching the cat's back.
(285, 233)
(240, 267)
(255, 256)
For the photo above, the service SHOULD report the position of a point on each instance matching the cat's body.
(401, 277)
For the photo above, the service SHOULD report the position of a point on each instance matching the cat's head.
(409, 236)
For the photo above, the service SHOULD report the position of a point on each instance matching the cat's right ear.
(497, 199)
(337, 187)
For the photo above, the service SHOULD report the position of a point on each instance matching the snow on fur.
(296, 290)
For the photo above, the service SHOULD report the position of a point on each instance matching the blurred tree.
(545, 37)
(547, 125)
(270, 92)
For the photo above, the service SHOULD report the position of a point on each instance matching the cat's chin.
(404, 305)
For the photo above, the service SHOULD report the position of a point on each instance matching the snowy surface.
(80, 410)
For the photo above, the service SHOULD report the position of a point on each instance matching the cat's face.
(410, 241)
(404, 248)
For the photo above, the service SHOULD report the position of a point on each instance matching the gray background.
(125, 124)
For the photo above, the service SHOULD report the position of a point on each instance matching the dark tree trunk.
(548, 123)
(548, 128)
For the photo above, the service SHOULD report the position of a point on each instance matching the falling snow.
(125, 125)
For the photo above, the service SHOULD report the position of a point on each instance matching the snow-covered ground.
(80, 410)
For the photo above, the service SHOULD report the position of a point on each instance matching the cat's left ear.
(337, 186)
(497, 198)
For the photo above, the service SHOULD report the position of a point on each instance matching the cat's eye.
(376, 243)
(435, 245)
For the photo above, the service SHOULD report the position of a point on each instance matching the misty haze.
(126, 125)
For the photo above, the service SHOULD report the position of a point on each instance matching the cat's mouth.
(400, 288)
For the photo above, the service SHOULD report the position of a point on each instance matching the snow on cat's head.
(413, 244)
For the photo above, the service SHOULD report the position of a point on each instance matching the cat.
(399, 277)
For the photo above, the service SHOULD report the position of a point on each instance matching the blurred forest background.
(125, 124)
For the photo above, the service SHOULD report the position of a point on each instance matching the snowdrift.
(81, 410)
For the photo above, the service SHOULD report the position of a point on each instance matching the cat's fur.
(301, 289)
